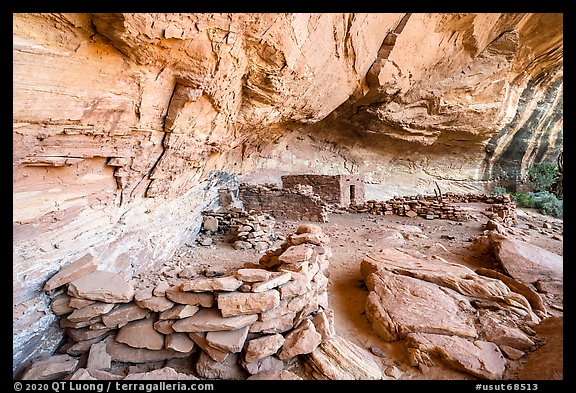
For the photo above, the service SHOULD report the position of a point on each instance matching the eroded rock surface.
(482, 359)
(340, 359)
(526, 262)
(445, 313)
(398, 305)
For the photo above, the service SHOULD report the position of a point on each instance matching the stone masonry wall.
(298, 205)
(245, 230)
(332, 189)
(352, 190)
(327, 187)
(254, 318)
(431, 207)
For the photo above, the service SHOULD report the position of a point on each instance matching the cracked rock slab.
(398, 305)
(481, 359)
(524, 261)
(445, 274)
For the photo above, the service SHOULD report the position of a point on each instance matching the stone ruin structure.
(299, 203)
(123, 165)
(337, 190)
(430, 207)
(311, 197)
(302, 197)
(244, 229)
(244, 324)
(228, 198)
(247, 213)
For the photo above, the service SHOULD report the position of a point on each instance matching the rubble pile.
(245, 230)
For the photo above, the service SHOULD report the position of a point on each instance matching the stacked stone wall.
(253, 318)
(326, 187)
(336, 190)
(448, 207)
(288, 204)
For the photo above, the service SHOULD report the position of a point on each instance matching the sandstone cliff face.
(125, 125)
(465, 100)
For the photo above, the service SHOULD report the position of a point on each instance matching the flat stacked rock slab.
(141, 334)
(75, 270)
(211, 319)
(120, 352)
(102, 286)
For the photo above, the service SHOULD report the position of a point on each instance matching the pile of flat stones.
(504, 211)
(249, 323)
(444, 207)
(246, 230)
(428, 207)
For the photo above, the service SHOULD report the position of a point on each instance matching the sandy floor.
(354, 235)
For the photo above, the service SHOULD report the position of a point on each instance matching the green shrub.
(546, 202)
(523, 199)
(553, 208)
(542, 176)
(499, 190)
